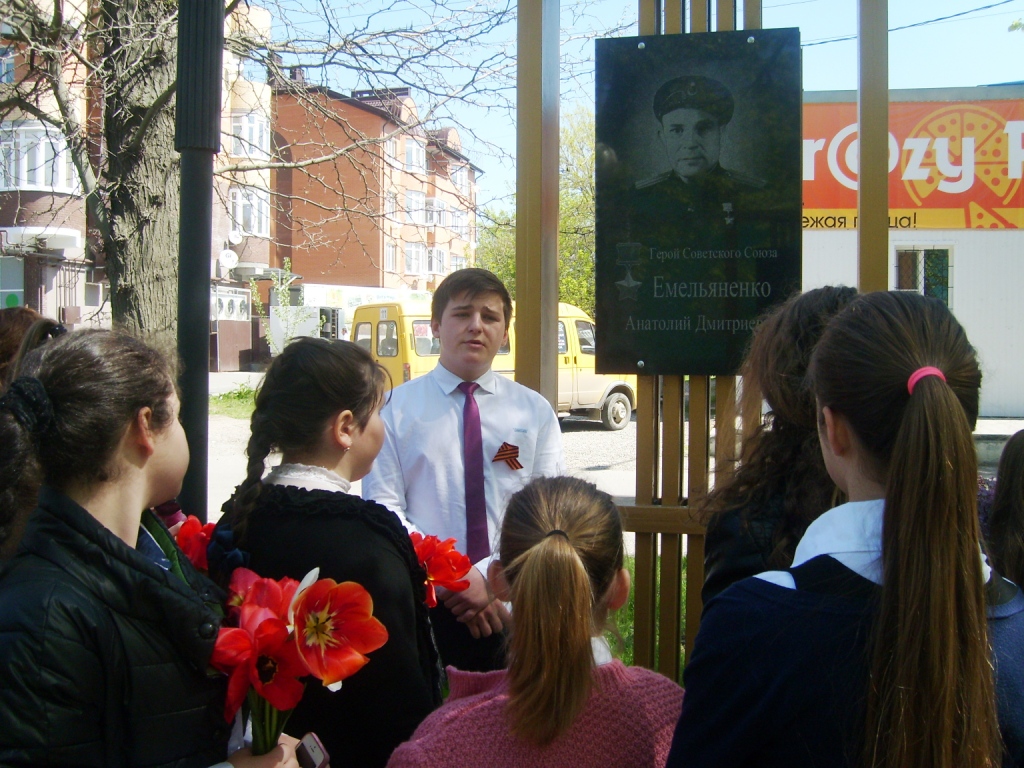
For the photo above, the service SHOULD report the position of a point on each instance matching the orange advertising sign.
(952, 165)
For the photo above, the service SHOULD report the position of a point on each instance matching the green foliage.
(624, 620)
(1017, 25)
(497, 248)
(238, 403)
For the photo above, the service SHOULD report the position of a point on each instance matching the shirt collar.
(852, 527)
(308, 478)
(449, 382)
(852, 533)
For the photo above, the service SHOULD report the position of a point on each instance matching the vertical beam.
(647, 14)
(697, 488)
(674, 17)
(537, 197)
(873, 119)
(672, 450)
(700, 15)
(725, 426)
(644, 593)
(752, 14)
(726, 15)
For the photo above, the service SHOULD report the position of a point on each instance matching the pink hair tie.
(920, 373)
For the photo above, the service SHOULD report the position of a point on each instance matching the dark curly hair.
(781, 461)
(1006, 519)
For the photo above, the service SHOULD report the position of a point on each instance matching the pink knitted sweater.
(628, 721)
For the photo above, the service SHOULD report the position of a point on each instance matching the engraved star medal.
(509, 454)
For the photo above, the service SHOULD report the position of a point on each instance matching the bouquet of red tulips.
(288, 631)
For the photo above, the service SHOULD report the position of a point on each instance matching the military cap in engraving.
(694, 92)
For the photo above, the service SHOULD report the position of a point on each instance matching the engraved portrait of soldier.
(697, 200)
(698, 197)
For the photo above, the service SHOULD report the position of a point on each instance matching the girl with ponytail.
(319, 406)
(562, 701)
(890, 642)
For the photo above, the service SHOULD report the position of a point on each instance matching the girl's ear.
(496, 578)
(342, 428)
(140, 431)
(837, 431)
(618, 592)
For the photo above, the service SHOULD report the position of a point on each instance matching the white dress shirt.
(419, 473)
(852, 534)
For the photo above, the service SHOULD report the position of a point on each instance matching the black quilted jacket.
(104, 655)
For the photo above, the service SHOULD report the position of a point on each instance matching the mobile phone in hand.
(311, 753)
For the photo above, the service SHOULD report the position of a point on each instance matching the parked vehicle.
(398, 336)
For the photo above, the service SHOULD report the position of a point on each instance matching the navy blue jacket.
(778, 676)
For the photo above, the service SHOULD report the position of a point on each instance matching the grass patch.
(625, 618)
(238, 403)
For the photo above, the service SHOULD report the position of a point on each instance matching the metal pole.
(197, 138)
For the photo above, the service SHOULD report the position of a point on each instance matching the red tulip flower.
(247, 587)
(193, 537)
(258, 653)
(445, 565)
(334, 628)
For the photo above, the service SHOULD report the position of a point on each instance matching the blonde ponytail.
(561, 547)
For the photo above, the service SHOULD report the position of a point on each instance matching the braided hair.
(308, 383)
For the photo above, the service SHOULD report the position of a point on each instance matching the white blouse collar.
(852, 534)
(308, 478)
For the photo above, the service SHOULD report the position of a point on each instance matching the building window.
(458, 262)
(250, 135)
(460, 178)
(34, 157)
(250, 211)
(12, 282)
(415, 255)
(436, 258)
(390, 258)
(459, 226)
(925, 270)
(391, 150)
(6, 65)
(414, 207)
(415, 156)
(391, 205)
(435, 213)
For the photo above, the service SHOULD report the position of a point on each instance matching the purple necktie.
(478, 546)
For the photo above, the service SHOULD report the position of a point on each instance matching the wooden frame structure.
(674, 442)
(674, 433)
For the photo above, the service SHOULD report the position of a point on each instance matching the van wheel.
(616, 411)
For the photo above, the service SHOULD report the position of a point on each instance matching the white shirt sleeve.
(385, 483)
(550, 458)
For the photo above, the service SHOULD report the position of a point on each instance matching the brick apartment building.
(394, 208)
(46, 261)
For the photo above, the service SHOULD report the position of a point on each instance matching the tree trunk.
(142, 184)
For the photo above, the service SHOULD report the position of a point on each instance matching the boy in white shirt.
(424, 474)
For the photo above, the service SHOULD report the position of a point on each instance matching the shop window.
(926, 271)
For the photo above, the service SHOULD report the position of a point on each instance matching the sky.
(968, 50)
